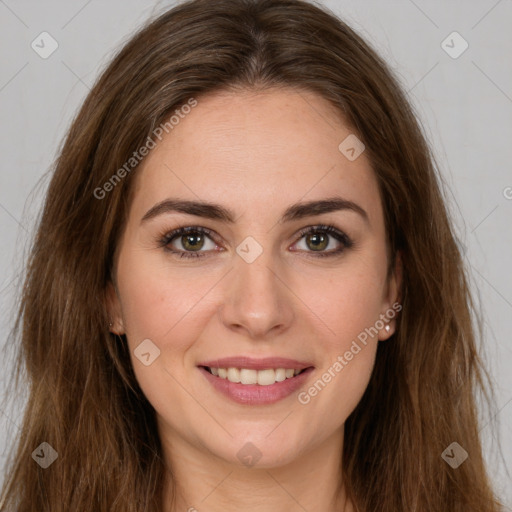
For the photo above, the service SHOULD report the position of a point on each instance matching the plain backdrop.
(463, 97)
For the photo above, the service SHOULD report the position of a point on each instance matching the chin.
(260, 450)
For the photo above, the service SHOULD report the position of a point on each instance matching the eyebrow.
(213, 211)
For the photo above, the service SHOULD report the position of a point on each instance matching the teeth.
(233, 375)
(266, 377)
(248, 376)
(261, 377)
(280, 374)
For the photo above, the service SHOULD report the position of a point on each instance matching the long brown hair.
(84, 399)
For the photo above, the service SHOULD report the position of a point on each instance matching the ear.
(113, 306)
(391, 304)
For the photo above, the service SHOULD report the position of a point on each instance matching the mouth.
(248, 376)
(256, 381)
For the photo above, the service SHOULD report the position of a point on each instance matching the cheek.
(158, 301)
(347, 302)
(340, 383)
(170, 310)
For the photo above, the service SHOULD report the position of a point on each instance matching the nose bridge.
(257, 299)
(255, 275)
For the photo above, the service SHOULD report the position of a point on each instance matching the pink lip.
(254, 394)
(256, 364)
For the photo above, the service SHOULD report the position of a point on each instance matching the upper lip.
(256, 364)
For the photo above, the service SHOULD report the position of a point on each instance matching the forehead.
(262, 149)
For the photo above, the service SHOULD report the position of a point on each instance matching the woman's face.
(251, 292)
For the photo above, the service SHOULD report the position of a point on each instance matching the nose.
(258, 303)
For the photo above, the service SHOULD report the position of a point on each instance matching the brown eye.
(188, 242)
(192, 242)
(318, 241)
(318, 238)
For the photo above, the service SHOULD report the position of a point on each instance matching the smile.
(255, 381)
(247, 376)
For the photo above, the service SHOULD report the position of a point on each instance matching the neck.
(202, 481)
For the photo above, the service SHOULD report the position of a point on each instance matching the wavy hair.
(83, 397)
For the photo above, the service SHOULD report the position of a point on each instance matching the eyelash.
(167, 238)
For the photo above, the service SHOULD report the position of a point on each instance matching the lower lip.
(254, 394)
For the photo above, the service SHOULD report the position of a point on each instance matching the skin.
(256, 153)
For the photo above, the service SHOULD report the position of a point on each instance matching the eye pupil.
(319, 240)
(196, 238)
(192, 241)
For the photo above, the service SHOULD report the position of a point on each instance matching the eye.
(318, 238)
(191, 239)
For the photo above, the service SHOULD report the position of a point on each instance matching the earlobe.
(113, 308)
(392, 303)
(397, 280)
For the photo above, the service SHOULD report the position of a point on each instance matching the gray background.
(464, 103)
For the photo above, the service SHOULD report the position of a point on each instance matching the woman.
(245, 291)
